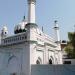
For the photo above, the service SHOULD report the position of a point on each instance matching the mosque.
(29, 45)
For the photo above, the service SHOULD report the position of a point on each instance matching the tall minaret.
(31, 11)
(57, 41)
(57, 35)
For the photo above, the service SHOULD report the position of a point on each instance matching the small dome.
(23, 24)
(20, 27)
(4, 31)
(5, 28)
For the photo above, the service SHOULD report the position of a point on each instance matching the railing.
(14, 39)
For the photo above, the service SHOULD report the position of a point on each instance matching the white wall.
(19, 64)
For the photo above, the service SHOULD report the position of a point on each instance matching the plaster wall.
(15, 59)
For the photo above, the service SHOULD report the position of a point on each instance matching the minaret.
(57, 40)
(31, 11)
(56, 28)
(4, 32)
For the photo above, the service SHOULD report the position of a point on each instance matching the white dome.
(5, 28)
(21, 26)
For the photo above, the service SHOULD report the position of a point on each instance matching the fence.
(53, 70)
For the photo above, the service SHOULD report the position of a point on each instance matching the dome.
(20, 27)
(5, 28)
(4, 31)
(23, 24)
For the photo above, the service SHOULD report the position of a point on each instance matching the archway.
(13, 65)
(51, 60)
(39, 61)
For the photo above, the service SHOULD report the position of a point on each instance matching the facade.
(28, 46)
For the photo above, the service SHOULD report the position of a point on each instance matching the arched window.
(51, 60)
(39, 61)
(13, 65)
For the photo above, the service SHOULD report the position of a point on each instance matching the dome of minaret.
(5, 28)
(4, 32)
(20, 27)
(29, 1)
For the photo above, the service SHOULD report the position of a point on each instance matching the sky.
(47, 11)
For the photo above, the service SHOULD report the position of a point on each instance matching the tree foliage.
(70, 48)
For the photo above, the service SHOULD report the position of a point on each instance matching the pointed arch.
(51, 60)
(11, 57)
(13, 65)
(39, 61)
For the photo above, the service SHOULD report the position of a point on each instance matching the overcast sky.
(12, 12)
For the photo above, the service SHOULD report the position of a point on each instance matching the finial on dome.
(21, 26)
(24, 18)
(33, 1)
(56, 24)
(42, 28)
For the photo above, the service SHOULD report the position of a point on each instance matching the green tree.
(70, 48)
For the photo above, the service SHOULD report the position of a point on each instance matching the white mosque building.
(28, 46)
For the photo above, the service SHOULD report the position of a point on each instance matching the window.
(50, 61)
(67, 62)
(18, 38)
(39, 61)
(22, 37)
(5, 32)
(4, 41)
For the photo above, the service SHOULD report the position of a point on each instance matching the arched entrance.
(51, 60)
(13, 65)
(39, 61)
